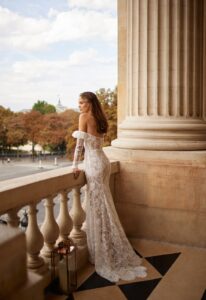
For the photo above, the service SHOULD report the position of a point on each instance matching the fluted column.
(204, 64)
(165, 82)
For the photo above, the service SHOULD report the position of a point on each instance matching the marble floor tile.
(174, 272)
(105, 293)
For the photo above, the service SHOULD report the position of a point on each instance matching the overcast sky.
(51, 49)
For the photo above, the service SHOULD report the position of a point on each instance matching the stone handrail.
(31, 190)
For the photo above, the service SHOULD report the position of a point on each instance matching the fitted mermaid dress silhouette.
(109, 248)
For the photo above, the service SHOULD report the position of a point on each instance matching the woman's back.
(92, 126)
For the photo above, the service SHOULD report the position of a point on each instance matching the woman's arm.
(79, 144)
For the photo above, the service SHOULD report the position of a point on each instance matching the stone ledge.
(18, 192)
(189, 158)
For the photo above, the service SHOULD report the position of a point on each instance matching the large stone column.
(162, 75)
(159, 194)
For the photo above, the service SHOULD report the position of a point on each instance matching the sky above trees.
(51, 49)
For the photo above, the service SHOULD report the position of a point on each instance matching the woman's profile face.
(84, 105)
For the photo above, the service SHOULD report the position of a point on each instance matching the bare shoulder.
(83, 116)
(83, 120)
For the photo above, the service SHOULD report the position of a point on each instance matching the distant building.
(60, 108)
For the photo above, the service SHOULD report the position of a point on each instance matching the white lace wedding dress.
(109, 248)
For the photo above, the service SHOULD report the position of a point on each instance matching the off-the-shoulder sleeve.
(79, 134)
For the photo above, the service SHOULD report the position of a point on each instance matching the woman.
(109, 248)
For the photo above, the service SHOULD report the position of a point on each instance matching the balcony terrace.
(158, 183)
(172, 268)
(29, 191)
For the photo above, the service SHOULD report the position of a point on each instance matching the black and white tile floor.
(174, 273)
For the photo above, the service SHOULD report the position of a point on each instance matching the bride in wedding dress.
(109, 248)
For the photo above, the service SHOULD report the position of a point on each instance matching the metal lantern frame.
(65, 249)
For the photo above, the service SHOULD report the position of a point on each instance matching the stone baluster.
(78, 217)
(84, 206)
(64, 220)
(49, 229)
(35, 242)
(13, 218)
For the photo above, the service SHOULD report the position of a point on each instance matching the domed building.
(60, 108)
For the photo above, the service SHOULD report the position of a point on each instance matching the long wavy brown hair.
(98, 113)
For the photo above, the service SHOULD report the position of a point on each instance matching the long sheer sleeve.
(77, 153)
(80, 136)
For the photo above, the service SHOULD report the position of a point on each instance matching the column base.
(189, 158)
(149, 133)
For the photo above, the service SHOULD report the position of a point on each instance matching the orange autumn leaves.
(51, 130)
(48, 130)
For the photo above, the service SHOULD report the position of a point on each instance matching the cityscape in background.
(50, 52)
(39, 139)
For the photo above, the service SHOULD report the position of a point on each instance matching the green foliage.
(43, 107)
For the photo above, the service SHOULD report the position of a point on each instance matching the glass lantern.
(67, 267)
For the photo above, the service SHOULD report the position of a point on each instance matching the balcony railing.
(28, 192)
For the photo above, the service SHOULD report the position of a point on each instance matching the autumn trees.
(3, 114)
(15, 135)
(53, 131)
(50, 130)
(53, 135)
(32, 125)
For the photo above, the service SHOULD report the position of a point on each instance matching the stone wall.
(162, 197)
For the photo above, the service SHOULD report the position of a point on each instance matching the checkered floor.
(93, 287)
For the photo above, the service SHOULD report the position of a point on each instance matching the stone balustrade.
(41, 239)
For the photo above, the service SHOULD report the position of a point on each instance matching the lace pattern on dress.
(109, 248)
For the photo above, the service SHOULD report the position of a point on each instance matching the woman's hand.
(76, 172)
